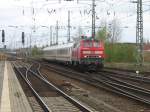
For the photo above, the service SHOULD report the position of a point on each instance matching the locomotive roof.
(90, 39)
(60, 46)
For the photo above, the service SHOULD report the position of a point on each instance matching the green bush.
(36, 51)
(120, 52)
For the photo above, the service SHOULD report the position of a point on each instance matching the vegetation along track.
(109, 83)
(42, 89)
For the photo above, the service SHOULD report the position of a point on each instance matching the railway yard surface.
(74, 56)
(38, 86)
(129, 66)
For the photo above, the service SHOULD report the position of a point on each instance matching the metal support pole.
(139, 33)
(68, 26)
(51, 35)
(93, 18)
(30, 46)
(53, 39)
(57, 32)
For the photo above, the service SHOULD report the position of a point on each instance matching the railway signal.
(4, 46)
(3, 36)
(23, 38)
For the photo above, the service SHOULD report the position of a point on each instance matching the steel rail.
(41, 102)
(127, 86)
(70, 99)
(125, 70)
(117, 87)
(66, 96)
(145, 91)
(119, 91)
(125, 76)
(122, 91)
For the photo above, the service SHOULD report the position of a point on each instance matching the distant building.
(147, 47)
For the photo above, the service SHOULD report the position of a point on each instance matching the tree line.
(115, 51)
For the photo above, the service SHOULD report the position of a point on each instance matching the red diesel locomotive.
(85, 53)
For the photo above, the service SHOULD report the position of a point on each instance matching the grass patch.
(120, 53)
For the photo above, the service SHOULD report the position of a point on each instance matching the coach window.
(60, 51)
(78, 45)
(68, 49)
(65, 51)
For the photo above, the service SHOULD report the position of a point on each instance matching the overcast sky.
(31, 15)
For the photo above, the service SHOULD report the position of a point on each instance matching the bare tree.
(114, 31)
(111, 33)
(102, 33)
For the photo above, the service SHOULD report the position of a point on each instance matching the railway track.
(23, 72)
(29, 74)
(125, 88)
(126, 75)
(118, 70)
(109, 83)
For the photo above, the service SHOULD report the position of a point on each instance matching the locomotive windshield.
(87, 43)
(96, 44)
(91, 44)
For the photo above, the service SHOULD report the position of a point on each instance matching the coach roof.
(60, 46)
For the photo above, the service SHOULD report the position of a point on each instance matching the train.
(85, 53)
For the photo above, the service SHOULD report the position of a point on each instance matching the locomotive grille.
(92, 56)
(92, 52)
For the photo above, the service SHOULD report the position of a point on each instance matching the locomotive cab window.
(96, 44)
(87, 43)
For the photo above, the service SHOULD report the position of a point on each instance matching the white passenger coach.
(59, 52)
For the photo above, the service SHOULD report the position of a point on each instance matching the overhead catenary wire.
(87, 12)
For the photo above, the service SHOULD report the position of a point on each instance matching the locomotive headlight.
(98, 52)
(86, 52)
(85, 56)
